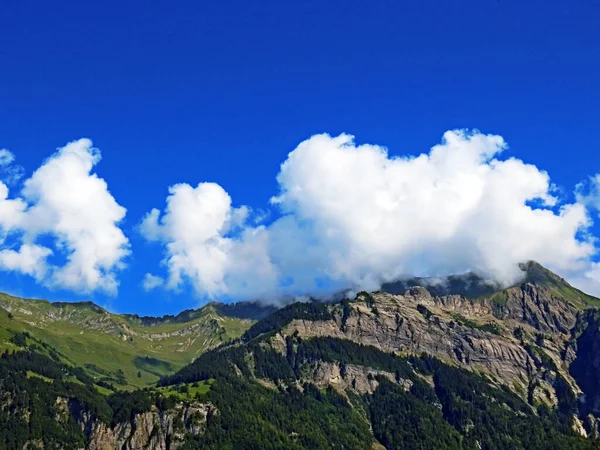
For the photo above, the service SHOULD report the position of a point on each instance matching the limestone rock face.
(538, 307)
(399, 326)
(585, 367)
(359, 379)
(476, 334)
(152, 430)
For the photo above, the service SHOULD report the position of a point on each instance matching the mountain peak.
(535, 273)
(538, 275)
(472, 286)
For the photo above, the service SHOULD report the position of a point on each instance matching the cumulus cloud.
(152, 282)
(30, 260)
(63, 199)
(354, 217)
(196, 228)
(12, 211)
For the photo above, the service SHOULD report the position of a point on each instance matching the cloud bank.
(66, 206)
(345, 216)
(353, 217)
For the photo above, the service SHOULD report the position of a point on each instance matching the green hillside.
(377, 371)
(124, 351)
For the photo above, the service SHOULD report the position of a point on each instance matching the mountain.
(414, 370)
(423, 368)
(472, 286)
(126, 351)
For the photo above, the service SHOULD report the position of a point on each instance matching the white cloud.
(10, 173)
(30, 260)
(588, 192)
(152, 282)
(451, 210)
(354, 217)
(12, 211)
(6, 157)
(65, 200)
(195, 228)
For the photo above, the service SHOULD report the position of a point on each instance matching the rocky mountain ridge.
(536, 339)
(515, 368)
(456, 330)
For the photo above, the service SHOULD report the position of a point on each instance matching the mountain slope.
(474, 287)
(117, 348)
(539, 275)
(398, 362)
(512, 368)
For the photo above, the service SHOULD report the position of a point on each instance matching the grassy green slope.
(104, 343)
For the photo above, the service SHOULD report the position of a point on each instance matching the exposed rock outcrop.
(397, 324)
(517, 338)
(538, 307)
(152, 430)
(585, 368)
(360, 379)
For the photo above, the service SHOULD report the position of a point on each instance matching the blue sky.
(223, 91)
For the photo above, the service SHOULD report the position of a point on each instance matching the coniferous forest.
(275, 388)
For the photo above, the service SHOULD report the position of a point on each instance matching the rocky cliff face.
(518, 337)
(536, 306)
(152, 430)
(360, 379)
(585, 368)
(537, 339)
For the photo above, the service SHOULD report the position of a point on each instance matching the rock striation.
(152, 430)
